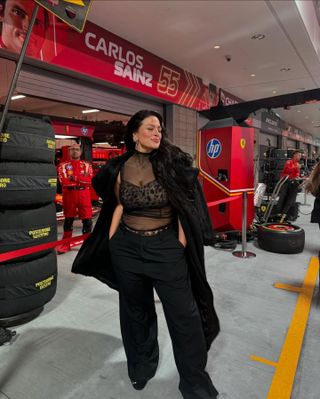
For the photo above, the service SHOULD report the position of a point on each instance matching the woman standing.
(313, 186)
(150, 235)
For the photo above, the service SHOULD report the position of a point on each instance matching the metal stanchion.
(305, 198)
(244, 253)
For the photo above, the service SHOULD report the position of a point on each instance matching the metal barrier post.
(244, 253)
(305, 198)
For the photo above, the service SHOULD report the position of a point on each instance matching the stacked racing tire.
(27, 217)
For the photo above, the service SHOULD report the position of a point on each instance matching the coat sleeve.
(102, 182)
(201, 208)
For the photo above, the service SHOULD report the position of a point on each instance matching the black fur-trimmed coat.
(315, 214)
(93, 258)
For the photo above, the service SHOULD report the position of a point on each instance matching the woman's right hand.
(117, 214)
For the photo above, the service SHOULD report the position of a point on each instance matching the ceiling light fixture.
(285, 69)
(252, 75)
(299, 110)
(258, 36)
(216, 46)
(17, 97)
(274, 91)
(89, 111)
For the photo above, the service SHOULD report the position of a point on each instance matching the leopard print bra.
(145, 202)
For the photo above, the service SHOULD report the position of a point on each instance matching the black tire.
(25, 138)
(27, 227)
(20, 319)
(25, 286)
(288, 241)
(278, 164)
(237, 235)
(26, 184)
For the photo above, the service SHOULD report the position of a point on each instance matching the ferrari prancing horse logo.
(242, 143)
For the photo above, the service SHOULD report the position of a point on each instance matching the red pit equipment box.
(225, 160)
(101, 155)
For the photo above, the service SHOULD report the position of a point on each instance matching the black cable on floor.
(6, 335)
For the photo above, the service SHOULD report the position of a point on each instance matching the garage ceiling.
(185, 33)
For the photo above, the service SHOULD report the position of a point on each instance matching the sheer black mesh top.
(145, 202)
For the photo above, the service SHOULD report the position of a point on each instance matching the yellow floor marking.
(77, 2)
(262, 360)
(287, 287)
(283, 379)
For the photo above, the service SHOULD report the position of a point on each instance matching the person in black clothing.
(151, 232)
(313, 186)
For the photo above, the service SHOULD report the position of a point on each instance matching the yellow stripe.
(217, 185)
(287, 287)
(77, 2)
(283, 379)
(222, 189)
(262, 360)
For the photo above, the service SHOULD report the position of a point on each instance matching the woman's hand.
(117, 214)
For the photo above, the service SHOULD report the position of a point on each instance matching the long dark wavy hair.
(313, 184)
(170, 164)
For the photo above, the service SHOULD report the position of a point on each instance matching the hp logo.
(214, 148)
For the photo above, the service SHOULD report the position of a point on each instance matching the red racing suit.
(291, 169)
(75, 178)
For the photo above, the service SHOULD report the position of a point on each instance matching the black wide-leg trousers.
(142, 263)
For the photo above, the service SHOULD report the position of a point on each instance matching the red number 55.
(168, 81)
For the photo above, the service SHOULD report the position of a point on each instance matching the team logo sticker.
(214, 148)
(84, 131)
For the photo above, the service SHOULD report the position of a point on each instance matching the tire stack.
(272, 167)
(27, 217)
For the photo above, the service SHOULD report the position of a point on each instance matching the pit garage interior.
(74, 346)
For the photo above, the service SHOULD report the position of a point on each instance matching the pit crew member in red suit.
(75, 178)
(292, 166)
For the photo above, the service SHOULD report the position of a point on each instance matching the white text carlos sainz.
(127, 64)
